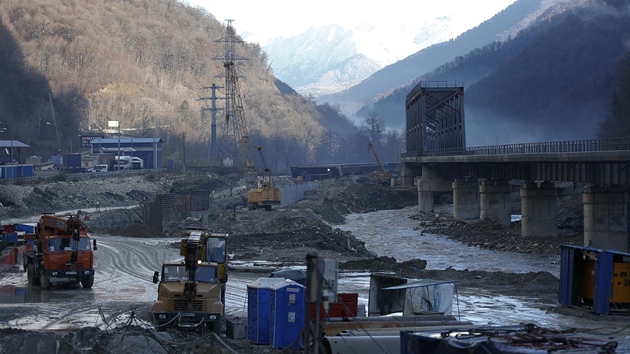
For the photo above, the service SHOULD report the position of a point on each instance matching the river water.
(393, 233)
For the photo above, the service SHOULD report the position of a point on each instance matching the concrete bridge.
(482, 179)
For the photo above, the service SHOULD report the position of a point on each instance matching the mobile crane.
(61, 252)
(265, 195)
(190, 292)
(382, 175)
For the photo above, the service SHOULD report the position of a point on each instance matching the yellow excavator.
(265, 194)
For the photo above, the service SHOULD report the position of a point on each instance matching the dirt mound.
(332, 204)
(293, 247)
(490, 235)
(115, 221)
(379, 264)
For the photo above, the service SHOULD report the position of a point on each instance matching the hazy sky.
(285, 18)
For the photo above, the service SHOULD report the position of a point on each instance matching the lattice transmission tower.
(234, 130)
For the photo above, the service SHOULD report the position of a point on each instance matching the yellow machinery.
(620, 291)
(190, 293)
(213, 248)
(265, 195)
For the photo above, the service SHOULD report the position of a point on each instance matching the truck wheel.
(44, 281)
(31, 274)
(251, 206)
(87, 282)
(216, 326)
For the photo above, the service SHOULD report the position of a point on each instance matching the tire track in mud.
(130, 260)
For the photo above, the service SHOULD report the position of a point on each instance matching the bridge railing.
(612, 144)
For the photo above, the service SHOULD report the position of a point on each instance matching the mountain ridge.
(527, 88)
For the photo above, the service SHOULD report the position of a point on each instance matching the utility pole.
(184, 152)
(214, 152)
(55, 123)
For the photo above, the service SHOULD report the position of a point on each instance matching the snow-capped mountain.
(332, 58)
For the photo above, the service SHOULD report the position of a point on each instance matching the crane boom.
(242, 131)
(382, 167)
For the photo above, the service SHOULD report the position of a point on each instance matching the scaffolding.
(435, 118)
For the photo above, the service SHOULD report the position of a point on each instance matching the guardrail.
(555, 147)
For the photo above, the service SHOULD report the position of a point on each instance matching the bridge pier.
(539, 209)
(496, 201)
(606, 218)
(465, 199)
(407, 176)
(427, 186)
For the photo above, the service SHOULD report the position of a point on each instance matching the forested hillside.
(553, 81)
(67, 67)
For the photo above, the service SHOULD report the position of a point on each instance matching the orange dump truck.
(61, 252)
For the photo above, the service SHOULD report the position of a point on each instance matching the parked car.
(101, 168)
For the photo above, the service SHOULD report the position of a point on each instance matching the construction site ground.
(283, 236)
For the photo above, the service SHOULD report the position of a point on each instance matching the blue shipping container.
(72, 163)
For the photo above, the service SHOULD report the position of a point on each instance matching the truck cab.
(122, 163)
(137, 163)
(61, 252)
(188, 297)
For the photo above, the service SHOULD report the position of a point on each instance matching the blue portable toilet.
(275, 311)
(259, 309)
(287, 315)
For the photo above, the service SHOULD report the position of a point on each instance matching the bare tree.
(374, 128)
